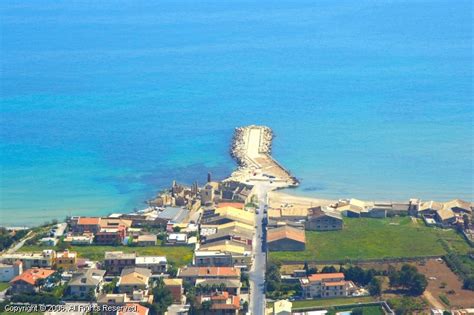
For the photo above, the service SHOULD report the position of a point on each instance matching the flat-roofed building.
(156, 264)
(8, 272)
(190, 274)
(44, 259)
(147, 240)
(115, 262)
(232, 286)
(234, 233)
(66, 260)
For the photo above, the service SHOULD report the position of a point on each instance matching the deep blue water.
(103, 103)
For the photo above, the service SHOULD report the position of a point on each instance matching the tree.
(375, 287)
(469, 283)
(328, 269)
(206, 306)
(162, 297)
(111, 286)
(418, 284)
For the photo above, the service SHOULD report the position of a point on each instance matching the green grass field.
(4, 286)
(331, 302)
(181, 255)
(366, 238)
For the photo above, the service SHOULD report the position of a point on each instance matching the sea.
(104, 103)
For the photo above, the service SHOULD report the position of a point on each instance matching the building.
(147, 240)
(115, 262)
(44, 259)
(222, 254)
(228, 214)
(66, 260)
(229, 285)
(86, 239)
(86, 224)
(286, 238)
(29, 281)
(111, 236)
(134, 279)
(171, 214)
(429, 208)
(176, 288)
(458, 206)
(325, 285)
(233, 233)
(86, 284)
(48, 241)
(190, 274)
(134, 309)
(354, 208)
(221, 303)
(210, 193)
(8, 272)
(282, 307)
(212, 258)
(323, 219)
(445, 217)
(177, 239)
(156, 264)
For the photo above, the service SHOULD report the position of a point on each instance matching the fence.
(356, 261)
(385, 307)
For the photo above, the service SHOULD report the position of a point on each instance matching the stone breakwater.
(251, 148)
(240, 146)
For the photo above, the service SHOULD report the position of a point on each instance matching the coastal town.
(241, 246)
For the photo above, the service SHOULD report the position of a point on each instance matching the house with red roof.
(220, 303)
(325, 285)
(30, 281)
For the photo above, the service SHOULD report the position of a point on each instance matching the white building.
(8, 272)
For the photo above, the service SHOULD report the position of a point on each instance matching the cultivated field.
(367, 238)
(181, 255)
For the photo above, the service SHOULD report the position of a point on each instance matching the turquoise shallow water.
(103, 104)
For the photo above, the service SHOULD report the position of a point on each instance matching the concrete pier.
(251, 148)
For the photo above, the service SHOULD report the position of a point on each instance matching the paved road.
(20, 244)
(257, 273)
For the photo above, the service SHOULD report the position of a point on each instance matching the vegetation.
(409, 278)
(4, 286)
(181, 255)
(368, 238)
(444, 299)
(162, 298)
(276, 289)
(331, 302)
(406, 305)
(7, 239)
(459, 263)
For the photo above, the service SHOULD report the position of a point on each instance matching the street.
(257, 272)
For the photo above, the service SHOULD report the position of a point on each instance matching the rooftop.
(286, 232)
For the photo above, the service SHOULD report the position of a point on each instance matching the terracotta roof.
(325, 276)
(202, 272)
(286, 232)
(88, 221)
(237, 205)
(220, 296)
(134, 309)
(32, 275)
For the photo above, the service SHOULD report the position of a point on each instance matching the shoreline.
(251, 149)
